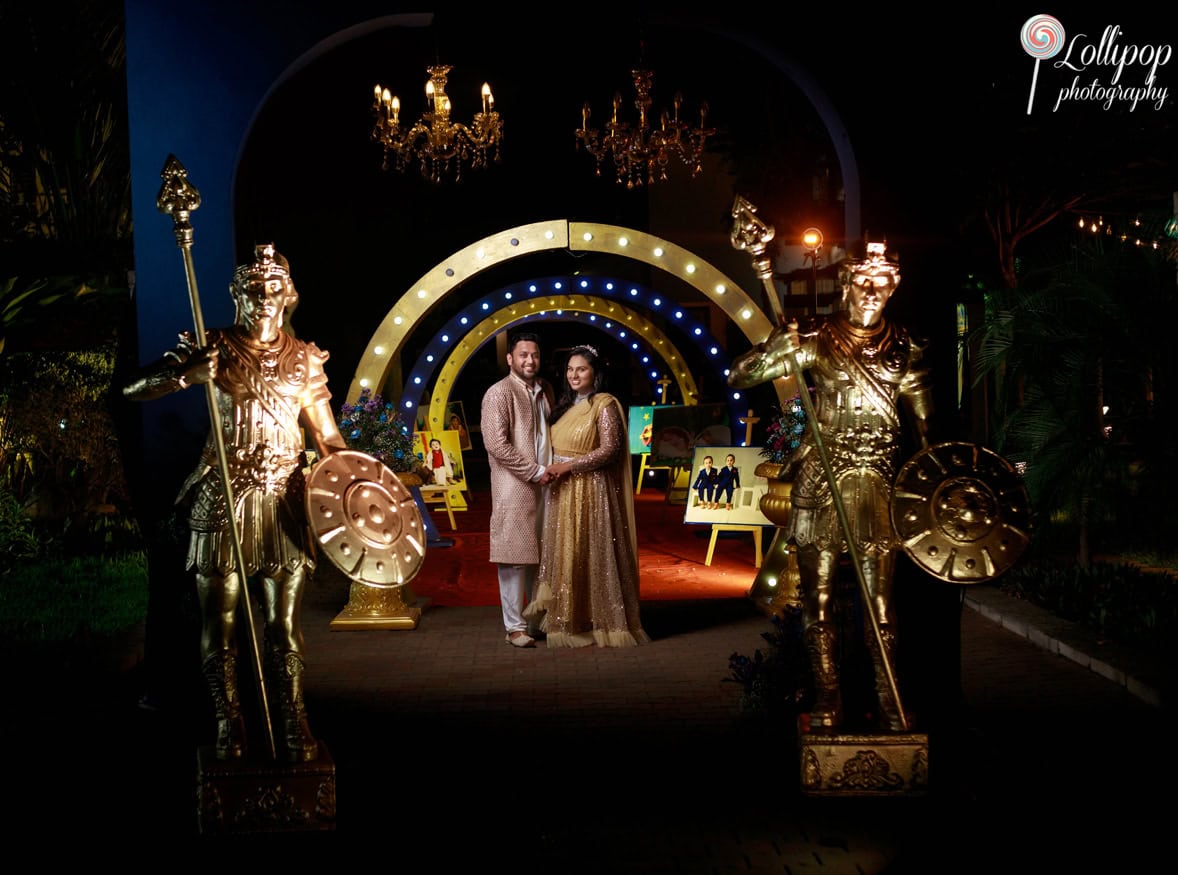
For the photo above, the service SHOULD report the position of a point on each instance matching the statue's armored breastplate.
(260, 396)
(857, 376)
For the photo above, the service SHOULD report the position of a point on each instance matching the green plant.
(373, 425)
(59, 449)
(74, 598)
(1081, 389)
(1116, 600)
(18, 540)
(775, 681)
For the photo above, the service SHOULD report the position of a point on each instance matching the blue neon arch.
(419, 383)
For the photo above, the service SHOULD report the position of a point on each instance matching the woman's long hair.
(567, 396)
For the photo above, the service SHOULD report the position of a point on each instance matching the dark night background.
(933, 113)
(933, 105)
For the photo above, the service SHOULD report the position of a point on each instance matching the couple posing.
(562, 504)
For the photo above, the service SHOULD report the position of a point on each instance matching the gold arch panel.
(384, 347)
(510, 314)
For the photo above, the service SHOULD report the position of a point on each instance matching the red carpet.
(671, 556)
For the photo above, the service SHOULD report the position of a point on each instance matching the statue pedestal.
(864, 764)
(380, 607)
(237, 797)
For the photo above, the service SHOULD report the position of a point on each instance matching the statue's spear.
(178, 198)
(753, 234)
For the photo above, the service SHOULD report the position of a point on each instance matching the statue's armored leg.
(218, 599)
(827, 713)
(877, 572)
(220, 671)
(889, 713)
(286, 676)
(284, 662)
(817, 568)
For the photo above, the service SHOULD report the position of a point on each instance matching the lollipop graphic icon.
(1042, 37)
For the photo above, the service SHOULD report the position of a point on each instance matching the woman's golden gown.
(587, 587)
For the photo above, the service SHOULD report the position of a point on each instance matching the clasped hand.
(554, 472)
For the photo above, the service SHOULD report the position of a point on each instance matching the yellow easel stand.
(722, 527)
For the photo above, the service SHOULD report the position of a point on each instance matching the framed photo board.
(678, 429)
(442, 454)
(731, 499)
(456, 421)
(641, 428)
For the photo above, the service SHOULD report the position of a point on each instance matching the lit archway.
(413, 306)
(604, 304)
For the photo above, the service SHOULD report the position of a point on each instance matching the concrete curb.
(1119, 664)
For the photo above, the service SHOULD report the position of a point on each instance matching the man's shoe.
(520, 639)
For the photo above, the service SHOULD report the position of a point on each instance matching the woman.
(587, 586)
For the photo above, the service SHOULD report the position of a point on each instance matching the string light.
(1157, 232)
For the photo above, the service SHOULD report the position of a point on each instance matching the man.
(268, 387)
(727, 480)
(862, 366)
(515, 432)
(705, 483)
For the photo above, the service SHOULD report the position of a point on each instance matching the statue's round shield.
(961, 512)
(365, 520)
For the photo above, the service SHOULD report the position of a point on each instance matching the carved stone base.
(883, 764)
(237, 797)
(380, 607)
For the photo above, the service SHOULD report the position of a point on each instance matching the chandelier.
(640, 154)
(438, 145)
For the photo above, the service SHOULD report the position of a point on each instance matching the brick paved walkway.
(454, 750)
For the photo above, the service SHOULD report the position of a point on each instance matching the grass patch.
(74, 598)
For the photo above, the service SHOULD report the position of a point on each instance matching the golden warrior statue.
(862, 367)
(269, 386)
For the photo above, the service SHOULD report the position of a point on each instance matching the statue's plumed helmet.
(864, 254)
(268, 262)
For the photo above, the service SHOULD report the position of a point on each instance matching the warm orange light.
(812, 239)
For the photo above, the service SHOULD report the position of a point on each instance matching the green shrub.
(66, 599)
(775, 681)
(1118, 601)
(18, 538)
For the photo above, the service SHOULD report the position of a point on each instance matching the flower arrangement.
(785, 432)
(373, 425)
(777, 681)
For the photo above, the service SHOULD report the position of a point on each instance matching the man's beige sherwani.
(509, 435)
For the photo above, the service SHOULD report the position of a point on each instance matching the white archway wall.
(509, 315)
(384, 347)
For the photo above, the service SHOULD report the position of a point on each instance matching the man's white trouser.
(515, 583)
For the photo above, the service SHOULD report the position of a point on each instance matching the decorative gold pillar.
(383, 607)
(776, 586)
(380, 607)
